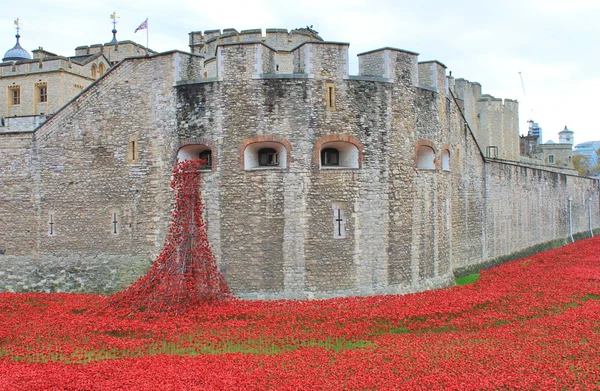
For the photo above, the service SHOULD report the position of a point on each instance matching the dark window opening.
(43, 94)
(133, 154)
(16, 96)
(207, 156)
(268, 157)
(114, 222)
(330, 157)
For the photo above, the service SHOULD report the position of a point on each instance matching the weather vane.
(18, 24)
(114, 18)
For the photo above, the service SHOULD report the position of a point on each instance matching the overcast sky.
(553, 43)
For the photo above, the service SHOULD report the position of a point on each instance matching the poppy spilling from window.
(185, 273)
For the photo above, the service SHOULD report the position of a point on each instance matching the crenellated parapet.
(115, 52)
(252, 60)
(390, 63)
(432, 75)
(279, 39)
(494, 121)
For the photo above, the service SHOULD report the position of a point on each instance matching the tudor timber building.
(320, 183)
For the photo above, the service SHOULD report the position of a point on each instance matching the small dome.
(17, 53)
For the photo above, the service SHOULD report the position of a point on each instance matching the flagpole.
(147, 28)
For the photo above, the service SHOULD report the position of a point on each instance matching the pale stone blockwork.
(273, 228)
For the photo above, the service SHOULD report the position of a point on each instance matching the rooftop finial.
(17, 53)
(18, 24)
(114, 18)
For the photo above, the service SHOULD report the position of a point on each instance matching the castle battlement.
(255, 59)
(491, 100)
(279, 39)
(115, 52)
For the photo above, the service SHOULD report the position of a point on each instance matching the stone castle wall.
(82, 178)
(104, 162)
(494, 122)
(62, 79)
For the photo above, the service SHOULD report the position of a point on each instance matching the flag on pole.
(142, 26)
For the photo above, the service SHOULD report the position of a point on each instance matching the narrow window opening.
(16, 96)
(43, 94)
(51, 224)
(133, 154)
(446, 160)
(114, 222)
(268, 157)
(551, 159)
(330, 96)
(339, 223)
(101, 69)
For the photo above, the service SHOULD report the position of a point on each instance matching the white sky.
(553, 43)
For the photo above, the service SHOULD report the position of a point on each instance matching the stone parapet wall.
(279, 39)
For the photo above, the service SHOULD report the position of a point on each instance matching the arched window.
(265, 155)
(94, 71)
(338, 154)
(101, 69)
(196, 151)
(330, 157)
(426, 158)
(446, 160)
(268, 157)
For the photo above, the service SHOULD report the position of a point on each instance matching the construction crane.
(530, 122)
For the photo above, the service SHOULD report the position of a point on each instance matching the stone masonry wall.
(299, 230)
(61, 87)
(109, 210)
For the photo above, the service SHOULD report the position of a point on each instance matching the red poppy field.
(530, 324)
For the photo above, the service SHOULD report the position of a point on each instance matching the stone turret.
(565, 136)
(17, 52)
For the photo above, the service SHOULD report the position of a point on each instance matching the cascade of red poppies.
(185, 273)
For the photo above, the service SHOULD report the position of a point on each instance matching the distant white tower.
(566, 136)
